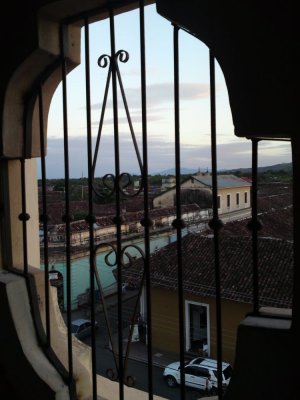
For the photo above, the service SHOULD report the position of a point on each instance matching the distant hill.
(274, 168)
(171, 171)
(277, 167)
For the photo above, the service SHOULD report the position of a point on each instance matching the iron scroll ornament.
(109, 182)
(126, 262)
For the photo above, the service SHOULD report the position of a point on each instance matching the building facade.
(199, 294)
(233, 193)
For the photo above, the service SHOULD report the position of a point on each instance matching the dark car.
(82, 328)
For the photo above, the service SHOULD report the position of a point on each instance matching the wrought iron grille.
(116, 184)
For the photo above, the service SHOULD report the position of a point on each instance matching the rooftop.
(224, 181)
(275, 269)
(276, 223)
(128, 218)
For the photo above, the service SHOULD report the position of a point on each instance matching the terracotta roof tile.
(275, 224)
(275, 269)
(128, 217)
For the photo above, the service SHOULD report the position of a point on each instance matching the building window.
(246, 197)
(219, 201)
(197, 328)
(238, 199)
(228, 201)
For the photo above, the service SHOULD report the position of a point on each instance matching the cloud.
(134, 119)
(160, 102)
(161, 155)
(161, 93)
(164, 92)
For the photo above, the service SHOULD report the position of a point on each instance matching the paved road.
(138, 369)
(135, 368)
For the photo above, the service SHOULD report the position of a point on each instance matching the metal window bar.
(44, 217)
(118, 217)
(215, 223)
(24, 217)
(66, 217)
(254, 226)
(101, 121)
(296, 289)
(178, 223)
(90, 218)
(42, 336)
(147, 222)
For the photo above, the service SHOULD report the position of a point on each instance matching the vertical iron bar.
(134, 317)
(101, 121)
(216, 224)
(254, 226)
(129, 118)
(296, 247)
(118, 219)
(91, 218)
(67, 217)
(179, 222)
(146, 199)
(24, 216)
(44, 216)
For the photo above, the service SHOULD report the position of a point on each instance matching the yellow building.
(233, 193)
(198, 285)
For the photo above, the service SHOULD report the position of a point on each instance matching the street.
(136, 369)
(139, 371)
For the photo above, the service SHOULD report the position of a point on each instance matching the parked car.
(200, 373)
(82, 328)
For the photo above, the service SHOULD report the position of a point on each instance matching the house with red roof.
(105, 227)
(198, 285)
(233, 193)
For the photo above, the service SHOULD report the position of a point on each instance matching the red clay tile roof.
(246, 178)
(128, 217)
(275, 269)
(275, 224)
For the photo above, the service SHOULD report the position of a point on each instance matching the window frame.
(237, 199)
(187, 324)
(228, 201)
(219, 201)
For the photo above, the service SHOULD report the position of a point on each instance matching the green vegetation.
(155, 180)
(78, 188)
(79, 215)
(269, 176)
(274, 173)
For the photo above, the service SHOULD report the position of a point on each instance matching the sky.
(233, 152)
